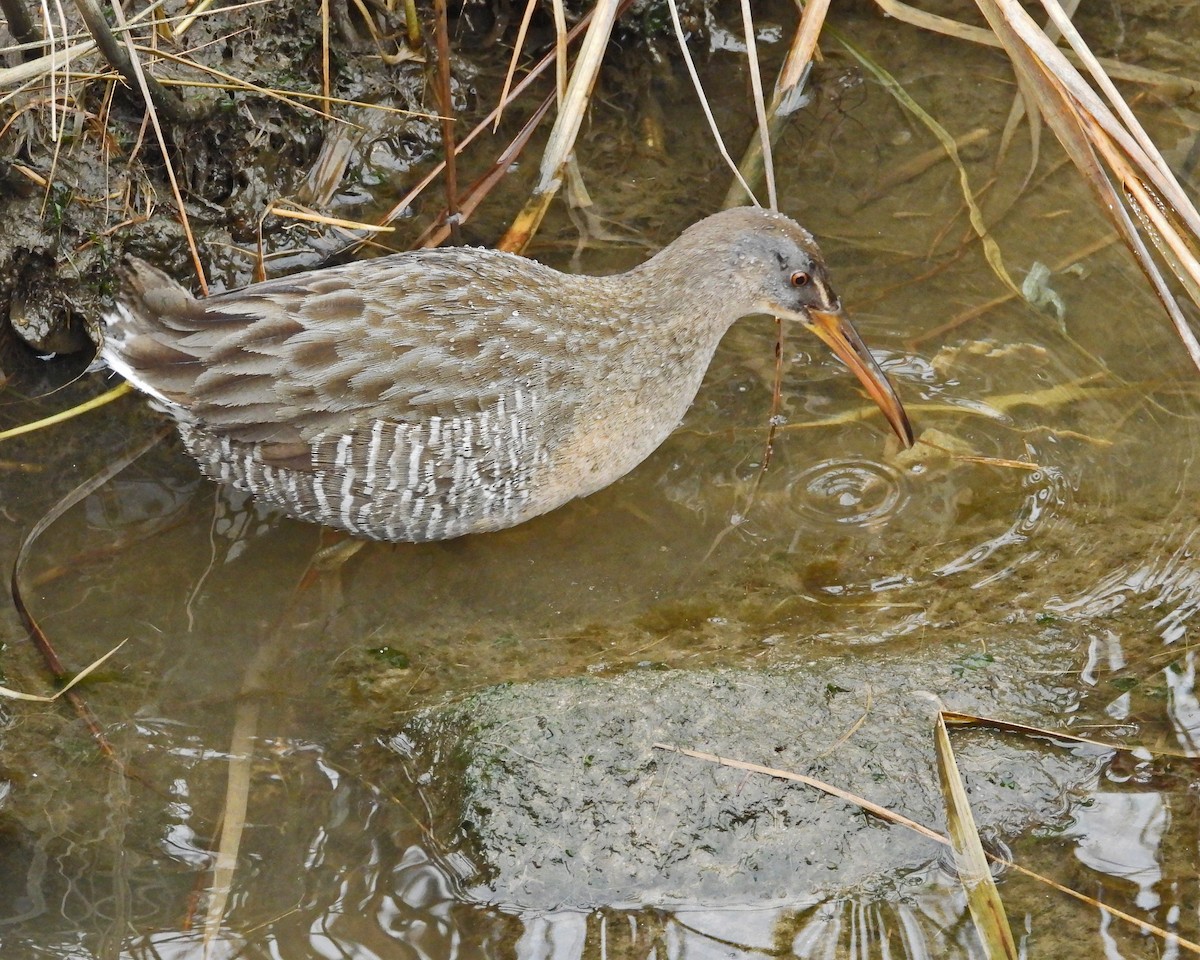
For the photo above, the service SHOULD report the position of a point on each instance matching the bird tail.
(141, 332)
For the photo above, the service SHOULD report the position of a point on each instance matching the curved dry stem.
(64, 415)
(991, 249)
(708, 115)
(786, 99)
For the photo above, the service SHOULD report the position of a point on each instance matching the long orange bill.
(841, 337)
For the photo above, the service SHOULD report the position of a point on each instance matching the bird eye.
(800, 279)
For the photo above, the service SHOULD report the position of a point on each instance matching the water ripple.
(851, 491)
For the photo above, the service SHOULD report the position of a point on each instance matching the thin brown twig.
(152, 115)
(437, 231)
(521, 86)
(890, 816)
(174, 108)
(518, 46)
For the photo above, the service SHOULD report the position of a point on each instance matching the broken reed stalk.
(786, 98)
(522, 85)
(970, 860)
(437, 232)
(1105, 148)
(566, 127)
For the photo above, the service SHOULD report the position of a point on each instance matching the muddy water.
(1051, 505)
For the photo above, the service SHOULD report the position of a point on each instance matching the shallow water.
(1055, 490)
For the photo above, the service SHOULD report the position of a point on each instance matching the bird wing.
(443, 333)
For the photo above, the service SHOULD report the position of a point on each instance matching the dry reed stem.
(446, 108)
(439, 230)
(560, 51)
(786, 99)
(400, 206)
(891, 816)
(704, 105)
(566, 127)
(522, 30)
(962, 31)
(1089, 130)
(991, 249)
(325, 51)
(974, 874)
(760, 109)
(1018, 111)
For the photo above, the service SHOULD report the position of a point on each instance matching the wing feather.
(440, 333)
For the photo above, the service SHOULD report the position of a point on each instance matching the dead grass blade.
(890, 816)
(78, 678)
(991, 249)
(566, 127)
(963, 31)
(62, 416)
(291, 98)
(1093, 136)
(708, 114)
(311, 216)
(237, 789)
(560, 50)
(44, 65)
(196, 11)
(518, 46)
(983, 899)
(1018, 111)
(324, 52)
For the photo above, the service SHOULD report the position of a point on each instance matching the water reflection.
(1055, 491)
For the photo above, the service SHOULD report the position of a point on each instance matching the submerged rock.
(556, 791)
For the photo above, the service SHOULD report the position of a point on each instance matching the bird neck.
(690, 307)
